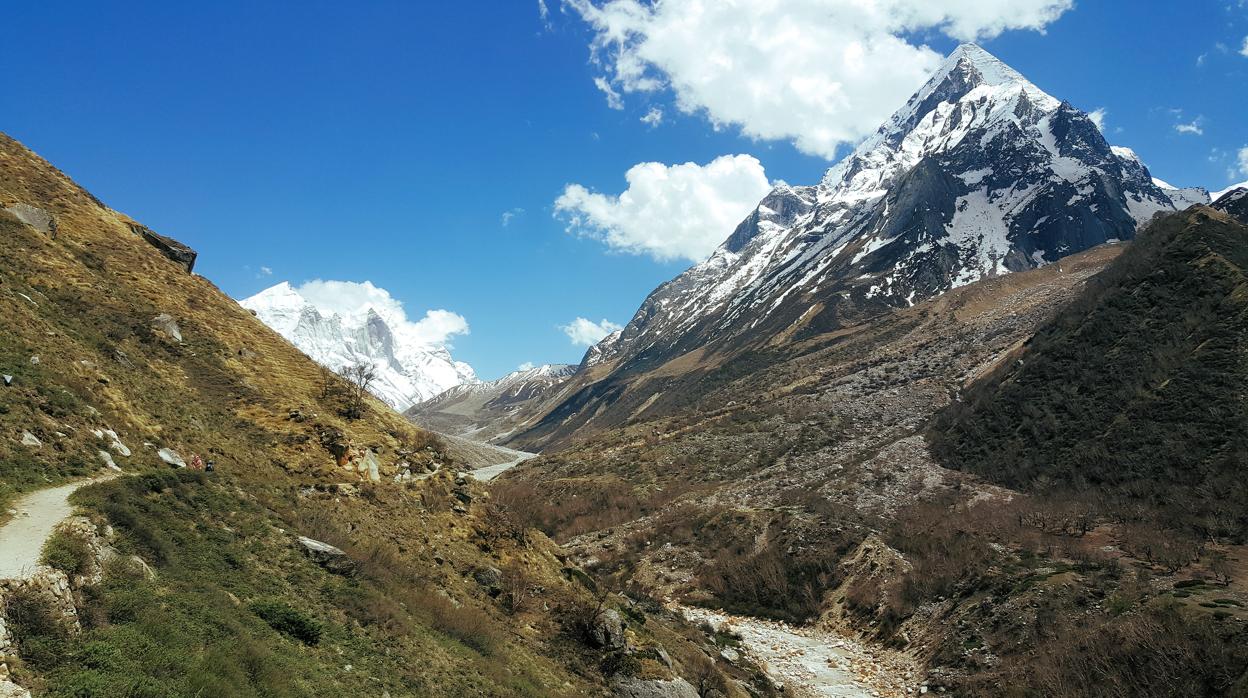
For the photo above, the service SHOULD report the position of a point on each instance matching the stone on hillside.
(29, 439)
(639, 688)
(36, 218)
(608, 631)
(491, 578)
(8, 380)
(169, 247)
(165, 323)
(114, 441)
(107, 459)
(369, 465)
(327, 556)
(8, 689)
(171, 457)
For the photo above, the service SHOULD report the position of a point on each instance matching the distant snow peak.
(340, 323)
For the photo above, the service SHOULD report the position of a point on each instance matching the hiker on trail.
(210, 467)
(197, 463)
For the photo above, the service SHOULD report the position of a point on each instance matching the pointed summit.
(991, 70)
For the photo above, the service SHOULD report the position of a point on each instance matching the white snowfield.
(408, 370)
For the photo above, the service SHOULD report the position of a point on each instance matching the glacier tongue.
(408, 370)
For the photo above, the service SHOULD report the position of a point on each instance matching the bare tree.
(1222, 569)
(359, 376)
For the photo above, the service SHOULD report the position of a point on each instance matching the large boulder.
(171, 457)
(607, 632)
(35, 217)
(653, 688)
(165, 323)
(327, 556)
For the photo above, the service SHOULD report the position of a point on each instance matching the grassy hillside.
(1138, 390)
(448, 596)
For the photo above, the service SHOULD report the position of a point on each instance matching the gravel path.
(22, 538)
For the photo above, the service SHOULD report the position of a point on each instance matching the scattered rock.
(608, 631)
(639, 688)
(115, 441)
(491, 578)
(171, 457)
(34, 360)
(327, 556)
(8, 380)
(107, 459)
(29, 439)
(165, 323)
(730, 655)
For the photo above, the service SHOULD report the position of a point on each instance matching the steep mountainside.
(495, 409)
(980, 174)
(1139, 389)
(796, 483)
(408, 369)
(179, 582)
(1235, 202)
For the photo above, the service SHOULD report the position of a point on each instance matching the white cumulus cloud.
(669, 212)
(510, 215)
(526, 366)
(1244, 51)
(1243, 161)
(818, 72)
(1192, 129)
(353, 300)
(653, 118)
(584, 332)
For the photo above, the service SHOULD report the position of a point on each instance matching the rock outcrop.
(174, 250)
(333, 559)
(641, 688)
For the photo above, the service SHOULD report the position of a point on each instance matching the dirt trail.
(490, 472)
(22, 538)
(812, 663)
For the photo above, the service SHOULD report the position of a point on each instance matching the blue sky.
(384, 141)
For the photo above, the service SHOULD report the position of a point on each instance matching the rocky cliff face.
(408, 371)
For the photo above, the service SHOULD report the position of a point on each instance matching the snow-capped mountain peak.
(980, 173)
(409, 368)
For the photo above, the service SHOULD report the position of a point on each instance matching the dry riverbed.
(817, 664)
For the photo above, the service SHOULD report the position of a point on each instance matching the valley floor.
(811, 663)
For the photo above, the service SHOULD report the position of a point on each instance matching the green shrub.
(288, 620)
(68, 553)
(36, 627)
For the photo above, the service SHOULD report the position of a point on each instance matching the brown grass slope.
(233, 594)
